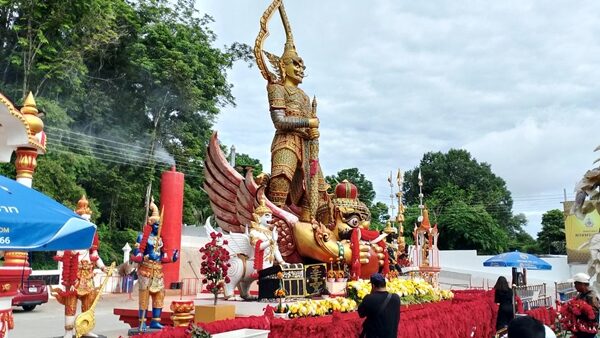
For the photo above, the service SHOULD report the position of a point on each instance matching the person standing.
(582, 285)
(503, 296)
(382, 310)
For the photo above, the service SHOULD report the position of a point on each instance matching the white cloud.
(514, 82)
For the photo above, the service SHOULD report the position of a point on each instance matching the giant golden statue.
(296, 177)
(311, 225)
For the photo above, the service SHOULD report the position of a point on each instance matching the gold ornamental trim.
(14, 112)
(32, 138)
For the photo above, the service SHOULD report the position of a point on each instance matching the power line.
(65, 150)
(114, 150)
(121, 155)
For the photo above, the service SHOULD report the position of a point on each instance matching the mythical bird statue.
(250, 252)
(234, 199)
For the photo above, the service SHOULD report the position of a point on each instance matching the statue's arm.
(308, 246)
(276, 94)
(137, 255)
(282, 122)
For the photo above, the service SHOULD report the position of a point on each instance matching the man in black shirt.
(382, 310)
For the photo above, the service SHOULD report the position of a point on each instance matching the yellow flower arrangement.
(323, 307)
(411, 291)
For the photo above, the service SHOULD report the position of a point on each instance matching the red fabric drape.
(471, 312)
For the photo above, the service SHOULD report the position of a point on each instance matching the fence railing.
(526, 292)
(535, 303)
(564, 291)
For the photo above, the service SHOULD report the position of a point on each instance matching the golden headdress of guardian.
(262, 209)
(289, 50)
(83, 206)
(154, 216)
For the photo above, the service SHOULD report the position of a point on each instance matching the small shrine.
(425, 253)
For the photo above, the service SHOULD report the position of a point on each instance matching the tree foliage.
(128, 89)
(552, 236)
(471, 205)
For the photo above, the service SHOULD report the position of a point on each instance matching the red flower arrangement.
(578, 316)
(215, 263)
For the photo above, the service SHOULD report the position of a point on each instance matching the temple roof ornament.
(20, 128)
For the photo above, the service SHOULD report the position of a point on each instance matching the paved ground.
(47, 320)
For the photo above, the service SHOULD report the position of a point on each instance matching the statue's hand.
(137, 258)
(364, 253)
(313, 133)
(275, 235)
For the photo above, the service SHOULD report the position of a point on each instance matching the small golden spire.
(30, 112)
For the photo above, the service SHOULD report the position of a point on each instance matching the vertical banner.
(579, 233)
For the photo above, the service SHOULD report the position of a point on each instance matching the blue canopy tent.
(32, 221)
(518, 259)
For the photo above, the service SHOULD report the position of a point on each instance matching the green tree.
(552, 238)
(244, 161)
(458, 190)
(518, 238)
(120, 82)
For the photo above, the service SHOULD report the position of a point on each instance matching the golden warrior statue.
(296, 177)
(78, 276)
(150, 254)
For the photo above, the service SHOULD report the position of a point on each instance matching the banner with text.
(579, 233)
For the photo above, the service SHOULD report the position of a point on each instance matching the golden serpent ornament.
(85, 322)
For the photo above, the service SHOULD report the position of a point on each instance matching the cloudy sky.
(516, 83)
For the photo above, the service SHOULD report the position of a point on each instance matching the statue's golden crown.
(262, 208)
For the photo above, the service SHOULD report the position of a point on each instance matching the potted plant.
(214, 267)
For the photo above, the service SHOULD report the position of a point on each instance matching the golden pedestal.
(182, 315)
(211, 313)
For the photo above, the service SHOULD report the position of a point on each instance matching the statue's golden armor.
(290, 163)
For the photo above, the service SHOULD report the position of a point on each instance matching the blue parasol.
(32, 221)
(518, 260)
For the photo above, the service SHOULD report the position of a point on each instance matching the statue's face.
(294, 69)
(346, 223)
(265, 220)
(155, 226)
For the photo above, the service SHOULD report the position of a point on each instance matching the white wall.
(468, 262)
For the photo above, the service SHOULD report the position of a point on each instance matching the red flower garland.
(578, 316)
(70, 262)
(259, 257)
(215, 264)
